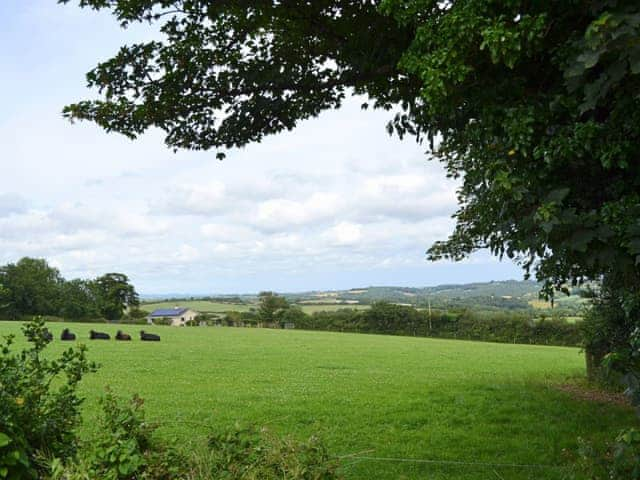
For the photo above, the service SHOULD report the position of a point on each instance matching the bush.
(619, 461)
(248, 454)
(40, 404)
(136, 316)
(124, 450)
(166, 321)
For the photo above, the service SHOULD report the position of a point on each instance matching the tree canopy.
(533, 105)
(115, 294)
(32, 287)
(271, 307)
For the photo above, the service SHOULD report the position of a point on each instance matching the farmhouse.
(176, 316)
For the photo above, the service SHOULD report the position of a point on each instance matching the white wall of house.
(179, 320)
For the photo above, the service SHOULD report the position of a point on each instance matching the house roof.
(168, 312)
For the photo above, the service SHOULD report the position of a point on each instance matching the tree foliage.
(78, 300)
(271, 307)
(32, 287)
(115, 294)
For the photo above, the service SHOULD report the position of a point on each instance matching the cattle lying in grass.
(67, 335)
(149, 337)
(120, 335)
(93, 335)
(47, 334)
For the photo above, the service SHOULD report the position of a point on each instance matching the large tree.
(29, 287)
(271, 307)
(114, 294)
(78, 300)
(532, 104)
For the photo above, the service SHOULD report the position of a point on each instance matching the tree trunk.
(594, 364)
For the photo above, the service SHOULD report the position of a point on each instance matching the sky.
(336, 203)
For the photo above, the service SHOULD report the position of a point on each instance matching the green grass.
(392, 397)
(204, 306)
(573, 301)
(311, 308)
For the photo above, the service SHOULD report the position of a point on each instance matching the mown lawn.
(391, 397)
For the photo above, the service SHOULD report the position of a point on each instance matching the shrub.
(249, 454)
(138, 313)
(124, 449)
(166, 321)
(40, 404)
(135, 316)
(619, 461)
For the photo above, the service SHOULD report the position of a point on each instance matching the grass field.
(573, 301)
(329, 307)
(204, 306)
(391, 397)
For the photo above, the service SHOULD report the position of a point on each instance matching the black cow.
(67, 335)
(93, 335)
(122, 336)
(149, 337)
(47, 335)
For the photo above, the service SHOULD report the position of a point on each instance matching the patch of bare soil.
(593, 394)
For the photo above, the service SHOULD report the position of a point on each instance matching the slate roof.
(168, 312)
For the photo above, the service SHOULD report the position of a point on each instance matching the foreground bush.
(39, 404)
(618, 461)
(248, 454)
(124, 449)
(612, 344)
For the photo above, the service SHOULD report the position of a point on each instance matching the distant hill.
(496, 295)
(511, 294)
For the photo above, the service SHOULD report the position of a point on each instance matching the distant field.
(217, 307)
(561, 301)
(393, 398)
(330, 307)
(200, 306)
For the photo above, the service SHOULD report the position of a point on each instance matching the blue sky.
(336, 203)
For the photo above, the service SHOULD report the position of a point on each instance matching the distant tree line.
(207, 298)
(33, 287)
(392, 319)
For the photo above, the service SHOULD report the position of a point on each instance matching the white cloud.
(344, 233)
(280, 213)
(191, 199)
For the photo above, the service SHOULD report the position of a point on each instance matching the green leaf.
(580, 239)
(634, 61)
(558, 195)
(590, 58)
(4, 439)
